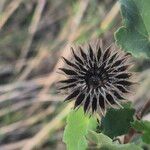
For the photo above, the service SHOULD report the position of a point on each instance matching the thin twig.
(145, 108)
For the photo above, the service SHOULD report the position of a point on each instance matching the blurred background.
(33, 36)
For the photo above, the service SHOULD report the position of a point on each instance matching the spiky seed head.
(96, 78)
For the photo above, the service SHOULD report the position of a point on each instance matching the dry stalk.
(43, 134)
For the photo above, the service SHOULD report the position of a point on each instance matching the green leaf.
(144, 127)
(117, 121)
(103, 142)
(134, 36)
(77, 128)
(82, 144)
(98, 138)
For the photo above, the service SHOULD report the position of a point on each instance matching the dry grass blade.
(34, 34)
(32, 30)
(14, 108)
(13, 146)
(75, 23)
(9, 11)
(35, 62)
(43, 134)
(37, 82)
(110, 16)
(2, 3)
(28, 122)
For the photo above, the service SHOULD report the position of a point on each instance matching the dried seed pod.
(97, 78)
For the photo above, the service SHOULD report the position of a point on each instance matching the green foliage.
(144, 127)
(77, 128)
(117, 121)
(99, 138)
(103, 142)
(134, 36)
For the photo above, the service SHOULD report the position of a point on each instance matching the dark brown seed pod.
(96, 78)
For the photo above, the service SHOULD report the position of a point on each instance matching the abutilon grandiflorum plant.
(96, 78)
